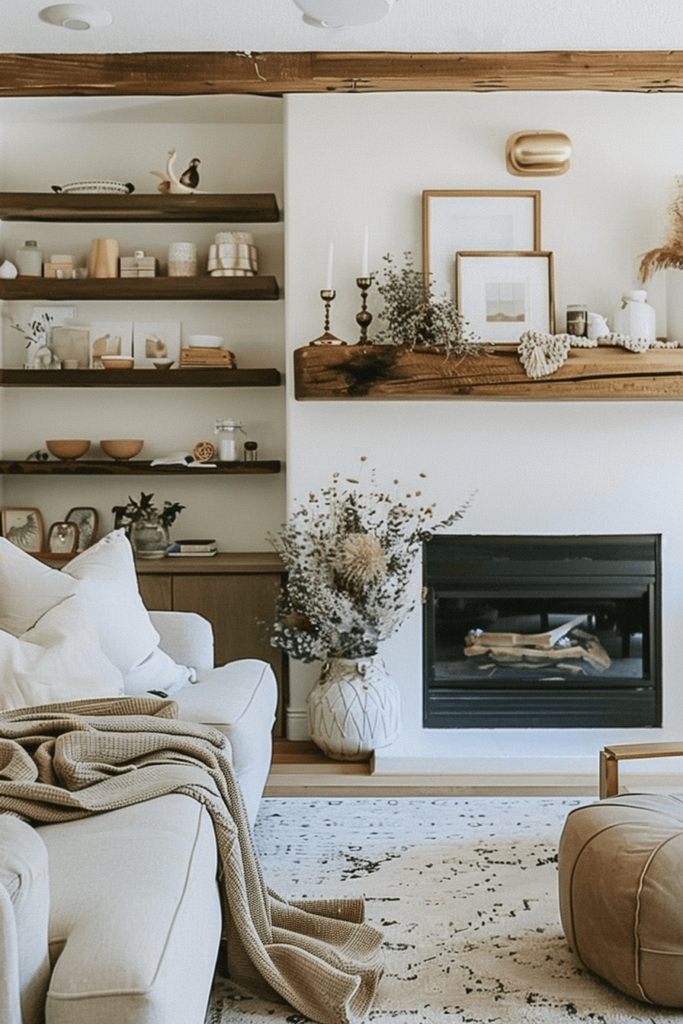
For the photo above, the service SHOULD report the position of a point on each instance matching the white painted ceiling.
(412, 25)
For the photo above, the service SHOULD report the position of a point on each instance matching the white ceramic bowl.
(204, 341)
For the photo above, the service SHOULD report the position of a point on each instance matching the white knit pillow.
(58, 659)
(104, 578)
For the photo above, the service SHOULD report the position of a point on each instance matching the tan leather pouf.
(621, 893)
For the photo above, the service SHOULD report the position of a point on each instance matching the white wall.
(537, 467)
(61, 140)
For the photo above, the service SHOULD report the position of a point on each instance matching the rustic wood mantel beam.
(185, 74)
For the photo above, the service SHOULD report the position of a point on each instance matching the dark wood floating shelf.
(207, 377)
(262, 288)
(387, 372)
(134, 467)
(227, 208)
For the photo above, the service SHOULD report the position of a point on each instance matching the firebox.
(542, 632)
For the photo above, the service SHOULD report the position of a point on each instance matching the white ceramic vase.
(674, 305)
(354, 708)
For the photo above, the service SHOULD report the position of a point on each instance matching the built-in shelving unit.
(261, 288)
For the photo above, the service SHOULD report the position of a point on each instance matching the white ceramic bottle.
(29, 260)
(635, 318)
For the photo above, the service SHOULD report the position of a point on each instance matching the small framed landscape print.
(153, 341)
(503, 294)
(469, 220)
(86, 519)
(62, 538)
(23, 527)
(109, 338)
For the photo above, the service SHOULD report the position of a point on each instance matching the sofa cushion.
(104, 577)
(148, 958)
(57, 659)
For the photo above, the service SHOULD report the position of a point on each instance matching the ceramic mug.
(103, 260)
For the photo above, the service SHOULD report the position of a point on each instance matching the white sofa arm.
(186, 637)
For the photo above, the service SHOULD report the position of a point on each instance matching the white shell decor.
(354, 708)
(94, 187)
(8, 270)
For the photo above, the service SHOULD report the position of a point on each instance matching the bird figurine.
(190, 175)
(186, 183)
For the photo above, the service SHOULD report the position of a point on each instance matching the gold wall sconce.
(538, 153)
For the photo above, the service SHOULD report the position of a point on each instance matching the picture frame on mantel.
(468, 220)
(503, 294)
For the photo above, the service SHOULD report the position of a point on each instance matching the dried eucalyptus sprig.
(349, 555)
(415, 316)
(670, 255)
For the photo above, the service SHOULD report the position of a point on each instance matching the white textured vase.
(354, 708)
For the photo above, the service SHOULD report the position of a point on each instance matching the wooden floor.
(300, 768)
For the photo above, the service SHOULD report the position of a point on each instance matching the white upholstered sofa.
(128, 899)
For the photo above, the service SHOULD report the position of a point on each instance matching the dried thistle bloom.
(360, 562)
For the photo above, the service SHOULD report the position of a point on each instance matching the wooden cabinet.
(236, 592)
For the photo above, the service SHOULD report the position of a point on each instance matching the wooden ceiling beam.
(190, 73)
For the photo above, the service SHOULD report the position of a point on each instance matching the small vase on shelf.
(149, 538)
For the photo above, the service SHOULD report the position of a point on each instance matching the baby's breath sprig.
(415, 316)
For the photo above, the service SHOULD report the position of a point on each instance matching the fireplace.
(542, 632)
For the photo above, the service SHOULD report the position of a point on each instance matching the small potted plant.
(147, 527)
(415, 317)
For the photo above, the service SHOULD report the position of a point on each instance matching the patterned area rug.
(465, 891)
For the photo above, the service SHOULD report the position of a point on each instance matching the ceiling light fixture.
(343, 13)
(79, 17)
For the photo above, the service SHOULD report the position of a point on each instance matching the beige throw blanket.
(65, 761)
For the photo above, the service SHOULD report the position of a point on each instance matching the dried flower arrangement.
(415, 316)
(349, 556)
(144, 510)
(670, 255)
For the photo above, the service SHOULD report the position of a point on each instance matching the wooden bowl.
(117, 362)
(121, 449)
(70, 449)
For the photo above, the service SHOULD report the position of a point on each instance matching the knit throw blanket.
(64, 761)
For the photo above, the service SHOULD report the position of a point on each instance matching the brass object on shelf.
(538, 153)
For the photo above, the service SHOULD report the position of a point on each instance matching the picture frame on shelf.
(503, 294)
(468, 220)
(155, 340)
(23, 527)
(62, 538)
(87, 521)
(109, 338)
(71, 343)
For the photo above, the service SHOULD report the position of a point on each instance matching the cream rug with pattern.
(465, 891)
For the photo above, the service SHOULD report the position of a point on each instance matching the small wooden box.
(138, 266)
(198, 356)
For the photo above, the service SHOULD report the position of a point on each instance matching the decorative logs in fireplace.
(553, 632)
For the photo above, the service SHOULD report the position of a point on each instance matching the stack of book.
(193, 548)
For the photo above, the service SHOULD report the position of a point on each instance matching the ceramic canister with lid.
(29, 260)
(635, 318)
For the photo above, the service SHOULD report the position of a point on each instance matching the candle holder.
(364, 318)
(326, 338)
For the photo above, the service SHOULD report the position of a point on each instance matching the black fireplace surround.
(542, 632)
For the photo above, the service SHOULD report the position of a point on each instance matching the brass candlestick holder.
(364, 318)
(326, 338)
